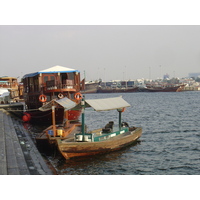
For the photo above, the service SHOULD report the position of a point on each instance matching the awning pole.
(120, 119)
(83, 117)
(53, 120)
(66, 121)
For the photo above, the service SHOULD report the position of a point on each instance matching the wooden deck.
(18, 154)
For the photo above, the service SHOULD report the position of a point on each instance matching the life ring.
(60, 96)
(78, 96)
(42, 98)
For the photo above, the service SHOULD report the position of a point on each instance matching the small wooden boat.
(98, 142)
(73, 140)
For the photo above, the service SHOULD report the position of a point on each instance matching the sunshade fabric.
(107, 104)
(66, 103)
(55, 69)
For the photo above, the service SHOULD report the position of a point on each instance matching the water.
(169, 143)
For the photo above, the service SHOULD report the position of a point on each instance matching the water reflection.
(96, 165)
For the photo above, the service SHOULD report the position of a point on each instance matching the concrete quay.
(18, 153)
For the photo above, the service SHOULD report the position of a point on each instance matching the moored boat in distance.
(90, 87)
(164, 87)
(117, 87)
(53, 83)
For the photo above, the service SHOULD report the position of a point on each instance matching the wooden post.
(83, 117)
(120, 119)
(53, 120)
(66, 121)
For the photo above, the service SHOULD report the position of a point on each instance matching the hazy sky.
(107, 52)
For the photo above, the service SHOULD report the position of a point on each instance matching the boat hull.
(80, 149)
(14, 108)
(166, 89)
(46, 117)
(117, 90)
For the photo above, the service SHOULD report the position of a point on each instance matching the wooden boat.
(47, 139)
(10, 86)
(10, 95)
(90, 87)
(117, 90)
(117, 87)
(98, 142)
(54, 83)
(73, 140)
(164, 88)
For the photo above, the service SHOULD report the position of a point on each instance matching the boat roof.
(7, 78)
(55, 69)
(107, 104)
(66, 103)
(97, 104)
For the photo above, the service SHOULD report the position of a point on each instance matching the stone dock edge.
(18, 153)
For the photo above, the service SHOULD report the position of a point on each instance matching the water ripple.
(169, 144)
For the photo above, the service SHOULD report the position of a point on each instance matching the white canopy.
(107, 104)
(55, 69)
(97, 104)
(66, 103)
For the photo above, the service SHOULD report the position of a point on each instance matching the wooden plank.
(3, 162)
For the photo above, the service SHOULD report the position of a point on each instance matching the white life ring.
(60, 96)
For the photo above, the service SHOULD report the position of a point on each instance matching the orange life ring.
(123, 109)
(60, 96)
(78, 96)
(42, 98)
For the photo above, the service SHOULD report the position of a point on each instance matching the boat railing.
(54, 85)
(8, 85)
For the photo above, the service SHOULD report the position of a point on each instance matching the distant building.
(195, 75)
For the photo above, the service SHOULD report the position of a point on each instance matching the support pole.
(54, 120)
(66, 121)
(120, 119)
(83, 117)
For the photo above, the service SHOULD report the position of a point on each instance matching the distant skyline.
(102, 51)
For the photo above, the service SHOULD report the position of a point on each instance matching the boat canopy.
(97, 104)
(66, 103)
(107, 104)
(55, 69)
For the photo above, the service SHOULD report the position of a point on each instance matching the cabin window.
(70, 76)
(45, 79)
(64, 77)
(52, 78)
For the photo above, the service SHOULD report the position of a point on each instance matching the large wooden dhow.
(164, 87)
(73, 140)
(53, 83)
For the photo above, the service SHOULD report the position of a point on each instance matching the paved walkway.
(18, 153)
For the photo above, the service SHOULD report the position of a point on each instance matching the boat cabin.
(10, 85)
(53, 83)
